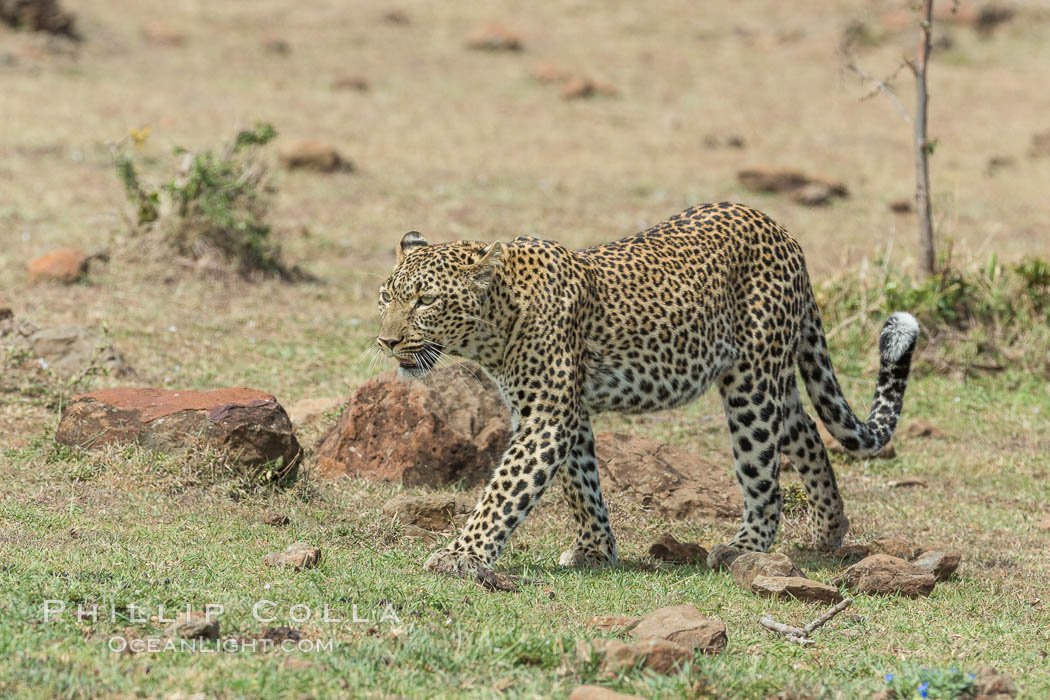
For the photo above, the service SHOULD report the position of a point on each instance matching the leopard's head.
(432, 301)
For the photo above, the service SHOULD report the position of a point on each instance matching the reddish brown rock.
(494, 37)
(65, 265)
(247, 424)
(669, 549)
(750, 565)
(941, 564)
(355, 83)
(901, 206)
(881, 574)
(851, 552)
(38, 16)
(432, 511)
(313, 155)
(597, 692)
(578, 87)
(451, 426)
(796, 587)
(616, 657)
(802, 188)
(672, 482)
(684, 625)
(298, 556)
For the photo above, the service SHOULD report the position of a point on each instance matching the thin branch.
(878, 86)
(826, 617)
(801, 635)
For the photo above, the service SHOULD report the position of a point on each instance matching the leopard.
(718, 294)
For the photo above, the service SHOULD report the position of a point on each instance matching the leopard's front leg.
(537, 450)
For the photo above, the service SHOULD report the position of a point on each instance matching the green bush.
(214, 203)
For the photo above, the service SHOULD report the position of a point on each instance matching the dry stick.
(927, 258)
(801, 635)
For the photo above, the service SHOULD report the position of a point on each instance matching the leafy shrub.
(214, 203)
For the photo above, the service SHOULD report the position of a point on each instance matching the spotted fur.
(718, 294)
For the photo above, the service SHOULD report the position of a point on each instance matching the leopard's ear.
(485, 269)
(409, 242)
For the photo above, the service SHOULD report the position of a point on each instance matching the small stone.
(278, 46)
(396, 17)
(494, 37)
(597, 692)
(783, 587)
(813, 194)
(881, 574)
(616, 657)
(901, 206)
(909, 482)
(307, 411)
(668, 549)
(941, 564)
(615, 626)
(752, 564)
(684, 625)
(277, 519)
(65, 265)
(921, 429)
(193, 625)
(581, 87)
(298, 556)
(432, 511)
(311, 154)
(893, 547)
(281, 634)
(355, 83)
(722, 556)
(1043, 525)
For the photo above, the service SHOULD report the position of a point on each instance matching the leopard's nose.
(388, 343)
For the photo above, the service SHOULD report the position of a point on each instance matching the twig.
(801, 635)
(882, 86)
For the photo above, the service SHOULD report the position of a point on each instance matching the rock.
(38, 16)
(1040, 147)
(494, 37)
(298, 556)
(615, 626)
(684, 625)
(432, 511)
(351, 82)
(992, 684)
(193, 625)
(991, 16)
(70, 350)
(162, 34)
(901, 206)
(669, 549)
(750, 565)
(833, 446)
(672, 482)
(616, 657)
(893, 547)
(997, 163)
(580, 87)
(65, 265)
(802, 188)
(306, 411)
(1043, 525)
(451, 426)
(881, 574)
(909, 482)
(921, 429)
(851, 552)
(396, 17)
(796, 587)
(597, 692)
(247, 424)
(277, 519)
(277, 45)
(311, 154)
(941, 564)
(722, 556)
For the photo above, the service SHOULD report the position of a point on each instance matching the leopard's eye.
(385, 296)
(426, 300)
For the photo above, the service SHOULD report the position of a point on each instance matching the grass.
(462, 144)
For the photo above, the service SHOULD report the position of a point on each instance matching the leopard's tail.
(896, 345)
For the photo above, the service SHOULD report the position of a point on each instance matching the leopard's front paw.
(722, 555)
(453, 563)
(586, 556)
(830, 534)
